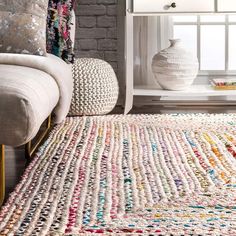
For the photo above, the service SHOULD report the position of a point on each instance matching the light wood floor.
(15, 165)
(15, 160)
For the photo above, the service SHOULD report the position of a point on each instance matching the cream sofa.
(30, 91)
(31, 88)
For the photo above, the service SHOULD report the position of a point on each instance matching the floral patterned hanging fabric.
(59, 23)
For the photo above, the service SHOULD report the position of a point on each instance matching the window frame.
(199, 23)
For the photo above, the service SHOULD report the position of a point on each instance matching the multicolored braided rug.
(135, 174)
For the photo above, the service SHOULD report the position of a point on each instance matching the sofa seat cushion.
(27, 97)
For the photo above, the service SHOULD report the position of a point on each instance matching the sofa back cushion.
(23, 26)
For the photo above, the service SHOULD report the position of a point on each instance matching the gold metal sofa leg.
(2, 173)
(29, 148)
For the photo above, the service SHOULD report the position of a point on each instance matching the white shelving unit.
(193, 91)
(128, 9)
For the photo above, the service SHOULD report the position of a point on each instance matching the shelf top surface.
(194, 90)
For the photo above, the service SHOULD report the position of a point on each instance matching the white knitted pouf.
(95, 87)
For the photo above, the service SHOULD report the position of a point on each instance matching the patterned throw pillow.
(23, 26)
(59, 19)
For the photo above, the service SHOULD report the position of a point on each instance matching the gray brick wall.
(96, 32)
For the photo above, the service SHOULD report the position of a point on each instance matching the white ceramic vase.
(175, 68)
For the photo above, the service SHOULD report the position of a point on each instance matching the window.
(211, 38)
